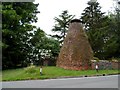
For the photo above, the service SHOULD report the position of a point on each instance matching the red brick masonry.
(76, 52)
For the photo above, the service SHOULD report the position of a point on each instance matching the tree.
(96, 24)
(38, 42)
(43, 47)
(112, 45)
(61, 25)
(16, 26)
(117, 19)
(52, 50)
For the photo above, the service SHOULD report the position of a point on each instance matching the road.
(83, 82)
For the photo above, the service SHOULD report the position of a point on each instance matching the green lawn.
(48, 72)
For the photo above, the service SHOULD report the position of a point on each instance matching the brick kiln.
(76, 52)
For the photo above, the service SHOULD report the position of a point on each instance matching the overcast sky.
(53, 8)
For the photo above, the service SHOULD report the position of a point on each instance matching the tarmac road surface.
(81, 82)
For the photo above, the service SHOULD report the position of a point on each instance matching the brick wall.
(104, 64)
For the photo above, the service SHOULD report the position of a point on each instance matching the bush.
(30, 69)
(95, 58)
(116, 59)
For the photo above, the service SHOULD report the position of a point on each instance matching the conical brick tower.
(76, 52)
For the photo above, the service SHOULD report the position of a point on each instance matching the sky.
(49, 9)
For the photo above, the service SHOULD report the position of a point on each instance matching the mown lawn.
(48, 72)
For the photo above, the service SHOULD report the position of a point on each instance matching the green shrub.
(30, 69)
(95, 58)
(116, 59)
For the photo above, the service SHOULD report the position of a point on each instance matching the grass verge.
(32, 73)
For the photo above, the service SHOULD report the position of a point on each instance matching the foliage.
(115, 59)
(112, 43)
(95, 58)
(22, 42)
(37, 42)
(44, 47)
(16, 26)
(101, 31)
(30, 69)
(61, 26)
